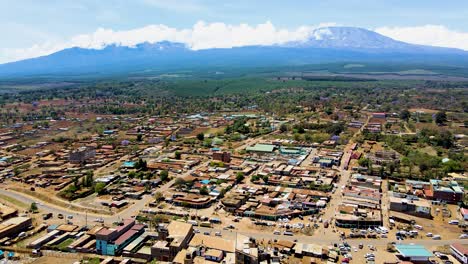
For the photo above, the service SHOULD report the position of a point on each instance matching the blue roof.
(413, 250)
(52, 227)
(129, 164)
(205, 181)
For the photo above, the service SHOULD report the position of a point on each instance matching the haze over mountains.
(325, 45)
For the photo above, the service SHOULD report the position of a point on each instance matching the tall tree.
(405, 115)
(441, 118)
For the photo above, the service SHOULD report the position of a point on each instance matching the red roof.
(464, 211)
(126, 222)
(138, 227)
(125, 236)
(105, 231)
(460, 248)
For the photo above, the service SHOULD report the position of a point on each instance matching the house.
(172, 238)
(464, 213)
(214, 255)
(261, 148)
(447, 191)
(325, 163)
(246, 250)
(193, 201)
(222, 156)
(379, 115)
(420, 207)
(460, 252)
(111, 241)
(7, 212)
(82, 154)
(211, 242)
(14, 226)
(415, 253)
(108, 132)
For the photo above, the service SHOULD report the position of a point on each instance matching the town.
(346, 184)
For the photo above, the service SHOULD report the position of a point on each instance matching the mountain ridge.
(327, 44)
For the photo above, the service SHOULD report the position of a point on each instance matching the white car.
(463, 236)
(429, 234)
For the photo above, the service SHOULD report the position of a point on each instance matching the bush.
(99, 188)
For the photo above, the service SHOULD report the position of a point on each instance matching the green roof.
(413, 250)
(261, 148)
(290, 151)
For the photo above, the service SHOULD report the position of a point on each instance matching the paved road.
(79, 217)
(321, 240)
(82, 217)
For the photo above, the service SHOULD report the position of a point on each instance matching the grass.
(94, 261)
(429, 150)
(59, 202)
(13, 201)
(63, 246)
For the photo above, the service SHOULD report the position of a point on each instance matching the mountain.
(361, 39)
(325, 45)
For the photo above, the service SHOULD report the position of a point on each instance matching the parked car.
(46, 216)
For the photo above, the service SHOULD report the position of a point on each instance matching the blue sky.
(29, 26)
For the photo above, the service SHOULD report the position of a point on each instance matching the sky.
(31, 28)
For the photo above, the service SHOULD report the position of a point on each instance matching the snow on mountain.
(324, 45)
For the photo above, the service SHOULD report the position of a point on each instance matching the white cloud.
(432, 35)
(201, 36)
(220, 35)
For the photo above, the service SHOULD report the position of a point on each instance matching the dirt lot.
(53, 260)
